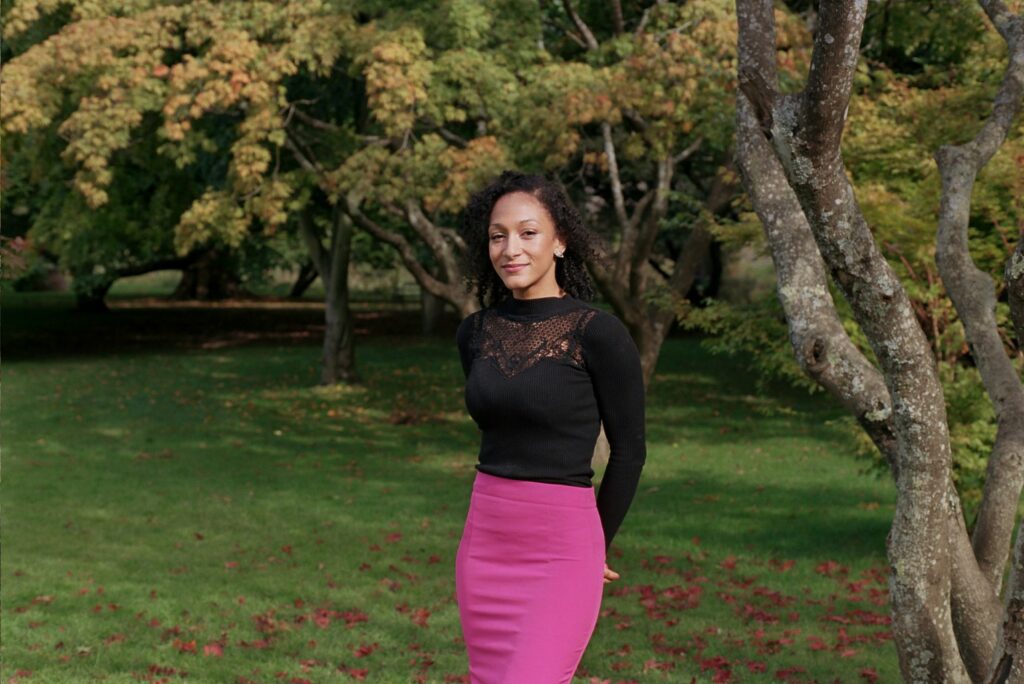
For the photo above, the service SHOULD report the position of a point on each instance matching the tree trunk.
(209, 277)
(944, 591)
(306, 277)
(92, 297)
(431, 312)
(339, 338)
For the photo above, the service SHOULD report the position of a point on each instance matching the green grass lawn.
(211, 515)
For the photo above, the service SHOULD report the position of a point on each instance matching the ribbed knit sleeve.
(613, 361)
(462, 340)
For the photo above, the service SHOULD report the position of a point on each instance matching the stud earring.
(559, 254)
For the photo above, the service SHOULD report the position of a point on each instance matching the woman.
(543, 370)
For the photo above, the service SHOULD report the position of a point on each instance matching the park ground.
(182, 502)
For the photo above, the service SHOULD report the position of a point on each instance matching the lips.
(514, 268)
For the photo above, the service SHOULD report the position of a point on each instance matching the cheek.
(540, 250)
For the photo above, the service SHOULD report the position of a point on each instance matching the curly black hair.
(581, 244)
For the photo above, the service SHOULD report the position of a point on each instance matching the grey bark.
(1008, 661)
(973, 294)
(805, 130)
(821, 346)
(1015, 290)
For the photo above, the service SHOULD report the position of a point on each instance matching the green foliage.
(390, 103)
(757, 334)
(929, 42)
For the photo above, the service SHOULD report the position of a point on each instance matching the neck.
(536, 306)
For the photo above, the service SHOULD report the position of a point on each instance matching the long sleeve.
(462, 341)
(613, 361)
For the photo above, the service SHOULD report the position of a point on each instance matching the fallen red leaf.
(869, 674)
(185, 646)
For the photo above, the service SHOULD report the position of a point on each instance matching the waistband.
(530, 491)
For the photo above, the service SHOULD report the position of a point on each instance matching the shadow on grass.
(47, 326)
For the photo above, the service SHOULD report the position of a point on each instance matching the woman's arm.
(463, 340)
(613, 361)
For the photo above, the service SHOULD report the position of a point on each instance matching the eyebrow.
(499, 225)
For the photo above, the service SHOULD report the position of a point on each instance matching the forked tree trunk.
(944, 587)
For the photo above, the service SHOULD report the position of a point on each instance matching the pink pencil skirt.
(529, 578)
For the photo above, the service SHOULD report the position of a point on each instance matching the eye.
(530, 232)
(496, 236)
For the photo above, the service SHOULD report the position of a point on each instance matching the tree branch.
(310, 165)
(1014, 275)
(806, 132)
(1010, 658)
(405, 250)
(973, 295)
(690, 150)
(758, 74)
(617, 24)
(618, 200)
(1010, 26)
(645, 238)
(822, 348)
(581, 26)
(433, 238)
(833, 62)
(314, 245)
(313, 122)
(973, 602)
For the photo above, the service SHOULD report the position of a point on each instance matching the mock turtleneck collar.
(537, 306)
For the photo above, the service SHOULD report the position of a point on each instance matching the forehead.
(519, 207)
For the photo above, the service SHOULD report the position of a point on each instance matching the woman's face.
(522, 233)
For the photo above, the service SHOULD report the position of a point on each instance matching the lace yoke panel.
(517, 345)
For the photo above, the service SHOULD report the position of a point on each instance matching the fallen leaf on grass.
(420, 616)
(830, 568)
(354, 673)
(185, 646)
(365, 649)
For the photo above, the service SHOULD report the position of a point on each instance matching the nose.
(511, 247)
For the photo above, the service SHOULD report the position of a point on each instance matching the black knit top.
(541, 375)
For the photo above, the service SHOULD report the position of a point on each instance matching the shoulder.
(605, 333)
(467, 327)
